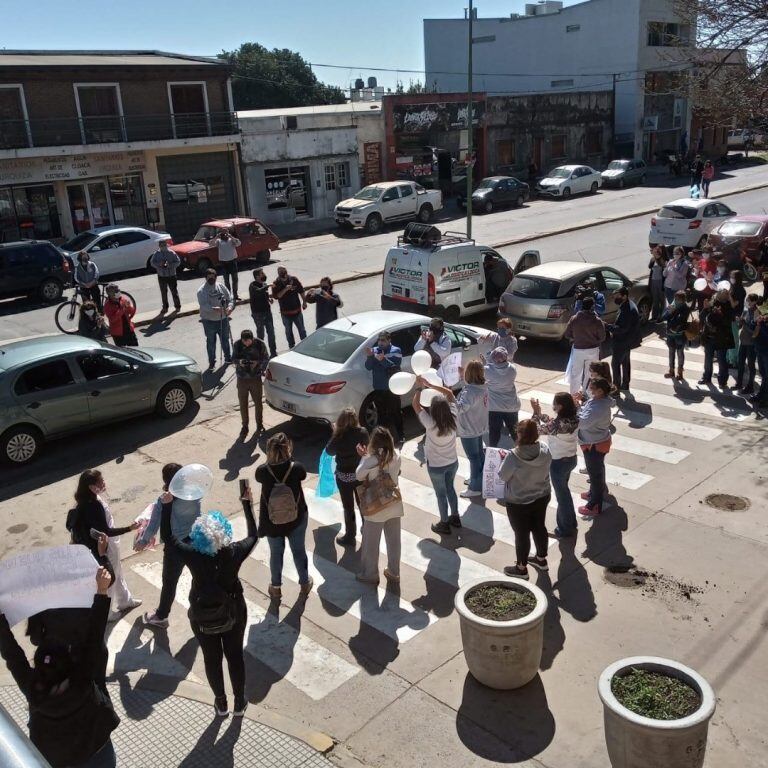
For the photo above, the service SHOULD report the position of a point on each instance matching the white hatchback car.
(570, 180)
(116, 249)
(687, 222)
(326, 371)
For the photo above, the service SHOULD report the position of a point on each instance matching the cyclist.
(87, 277)
(119, 311)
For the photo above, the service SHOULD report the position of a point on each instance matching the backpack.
(213, 609)
(281, 505)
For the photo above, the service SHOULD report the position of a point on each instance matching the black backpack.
(213, 609)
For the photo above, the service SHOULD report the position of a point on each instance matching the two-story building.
(93, 138)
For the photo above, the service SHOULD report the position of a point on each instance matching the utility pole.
(613, 119)
(469, 119)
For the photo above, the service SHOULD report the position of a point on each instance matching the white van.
(446, 274)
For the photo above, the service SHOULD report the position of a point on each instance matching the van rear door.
(406, 272)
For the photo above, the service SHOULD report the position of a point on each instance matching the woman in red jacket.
(119, 311)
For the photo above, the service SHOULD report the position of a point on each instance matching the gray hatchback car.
(56, 385)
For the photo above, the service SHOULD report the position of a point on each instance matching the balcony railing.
(57, 132)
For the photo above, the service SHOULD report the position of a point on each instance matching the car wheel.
(644, 309)
(452, 314)
(750, 271)
(369, 413)
(203, 265)
(566, 193)
(425, 213)
(519, 202)
(51, 289)
(373, 224)
(21, 444)
(174, 399)
(263, 257)
(488, 207)
(593, 189)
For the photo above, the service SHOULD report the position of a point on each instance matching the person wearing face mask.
(502, 338)
(586, 332)
(227, 245)
(656, 267)
(91, 323)
(87, 277)
(383, 361)
(625, 333)
(764, 298)
(119, 311)
(261, 309)
(251, 358)
(326, 302)
(760, 337)
(165, 262)
(676, 317)
(216, 306)
(738, 295)
(289, 293)
(716, 318)
(435, 341)
(747, 324)
(676, 274)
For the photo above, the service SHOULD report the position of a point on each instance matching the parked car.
(539, 301)
(495, 192)
(326, 371)
(621, 173)
(53, 386)
(257, 241)
(687, 222)
(739, 238)
(567, 180)
(116, 249)
(740, 138)
(389, 201)
(33, 267)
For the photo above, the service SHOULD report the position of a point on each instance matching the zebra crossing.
(645, 426)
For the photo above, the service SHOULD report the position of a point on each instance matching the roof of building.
(22, 58)
(351, 107)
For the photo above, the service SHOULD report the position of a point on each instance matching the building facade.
(597, 45)
(89, 139)
(298, 163)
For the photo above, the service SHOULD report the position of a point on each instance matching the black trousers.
(526, 520)
(621, 367)
(390, 411)
(173, 565)
(227, 645)
(348, 498)
(94, 294)
(229, 270)
(166, 283)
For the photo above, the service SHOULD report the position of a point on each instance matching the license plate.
(290, 407)
(523, 326)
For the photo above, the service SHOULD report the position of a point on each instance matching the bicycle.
(68, 312)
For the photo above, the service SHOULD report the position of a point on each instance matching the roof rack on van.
(427, 236)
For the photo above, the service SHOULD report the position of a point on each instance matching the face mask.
(90, 312)
(210, 280)
(502, 332)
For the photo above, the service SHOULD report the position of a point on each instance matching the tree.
(414, 86)
(278, 78)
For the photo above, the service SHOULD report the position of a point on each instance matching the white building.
(594, 45)
(299, 162)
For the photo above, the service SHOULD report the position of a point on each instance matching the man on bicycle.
(87, 277)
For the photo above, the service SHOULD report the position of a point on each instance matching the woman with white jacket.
(380, 456)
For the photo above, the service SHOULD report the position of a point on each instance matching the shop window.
(287, 188)
(663, 34)
(28, 213)
(505, 152)
(196, 191)
(127, 197)
(99, 109)
(557, 146)
(44, 377)
(594, 141)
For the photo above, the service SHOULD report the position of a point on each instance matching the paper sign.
(52, 577)
(449, 369)
(493, 485)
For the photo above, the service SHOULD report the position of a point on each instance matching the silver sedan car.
(326, 371)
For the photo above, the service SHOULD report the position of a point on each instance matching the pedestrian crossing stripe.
(289, 653)
(681, 388)
(690, 365)
(660, 424)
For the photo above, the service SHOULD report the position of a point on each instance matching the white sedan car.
(687, 222)
(570, 180)
(326, 371)
(116, 249)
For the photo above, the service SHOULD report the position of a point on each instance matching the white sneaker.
(470, 494)
(134, 602)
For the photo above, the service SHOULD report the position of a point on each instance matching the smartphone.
(95, 534)
(245, 486)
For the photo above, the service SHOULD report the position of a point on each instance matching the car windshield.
(136, 353)
(560, 173)
(534, 287)
(740, 229)
(80, 242)
(368, 193)
(329, 344)
(487, 184)
(618, 165)
(677, 212)
(205, 233)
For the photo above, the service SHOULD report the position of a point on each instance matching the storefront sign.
(67, 168)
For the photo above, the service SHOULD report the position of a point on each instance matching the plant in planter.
(656, 713)
(502, 630)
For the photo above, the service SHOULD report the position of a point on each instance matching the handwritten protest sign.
(449, 369)
(493, 486)
(51, 577)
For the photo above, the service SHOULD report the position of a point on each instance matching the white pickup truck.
(387, 201)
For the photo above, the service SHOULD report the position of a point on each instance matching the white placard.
(493, 485)
(449, 369)
(50, 577)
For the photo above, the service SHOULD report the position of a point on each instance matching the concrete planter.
(502, 654)
(634, 741)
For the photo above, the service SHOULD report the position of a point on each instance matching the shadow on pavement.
(210, 752)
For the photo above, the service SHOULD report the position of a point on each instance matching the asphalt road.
(622, 244)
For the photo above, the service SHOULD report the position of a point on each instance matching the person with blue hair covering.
(217, 611)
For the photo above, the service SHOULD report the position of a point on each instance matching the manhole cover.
(625, 576)
(727, 502)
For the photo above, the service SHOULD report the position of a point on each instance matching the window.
(457, 337)
(127, 196)
(28, 213)
(44, 377)
(724, 210)
(661, 34)
(291, 123)
(677, 212)
(710, 211)
(109, 241)
(103, 366)
(594, 141)
(740, 229)
(342, 174)
(13, 114)
(389, 195)
(330, 177)
(406, 190)
(558, 148)
(329, 344)
(561, 83)
(100, 111)
(534, 287)
(505, 152)
(189, 107)
(613, 280)
(129, 238)
(406, 339)
(287, 188)
(209, 189)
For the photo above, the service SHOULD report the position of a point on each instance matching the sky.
(355, 34)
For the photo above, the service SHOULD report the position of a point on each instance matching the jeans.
(560, 473)
(473, 449)
(747, 358)
(529, 520)
(173, 565)
(220, 328)
(263, 321)
(595, 462)
(390, 411)
(621, 367)
(288, 322)
(762, 366)
(495, 421)
(657, 299)
(705, 187)
(722, 364)
(676, 347)
(166, 283)
(298, 550)
(670, 295)
(229, 270)
(104, 758)
(348, 498)
(250, 387)
(442, 481)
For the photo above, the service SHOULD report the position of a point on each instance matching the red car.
(739, 240)
(256, 242)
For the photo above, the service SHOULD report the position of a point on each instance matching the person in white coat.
(435, 341)
(380, 456)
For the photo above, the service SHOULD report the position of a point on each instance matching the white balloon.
(421, 362)
(426, 397)
(432, 377)
(724, 285)
(191, 482)
(401, 383)
(700, 284)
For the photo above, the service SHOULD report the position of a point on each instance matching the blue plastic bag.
(326, 483)
(695, 191)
